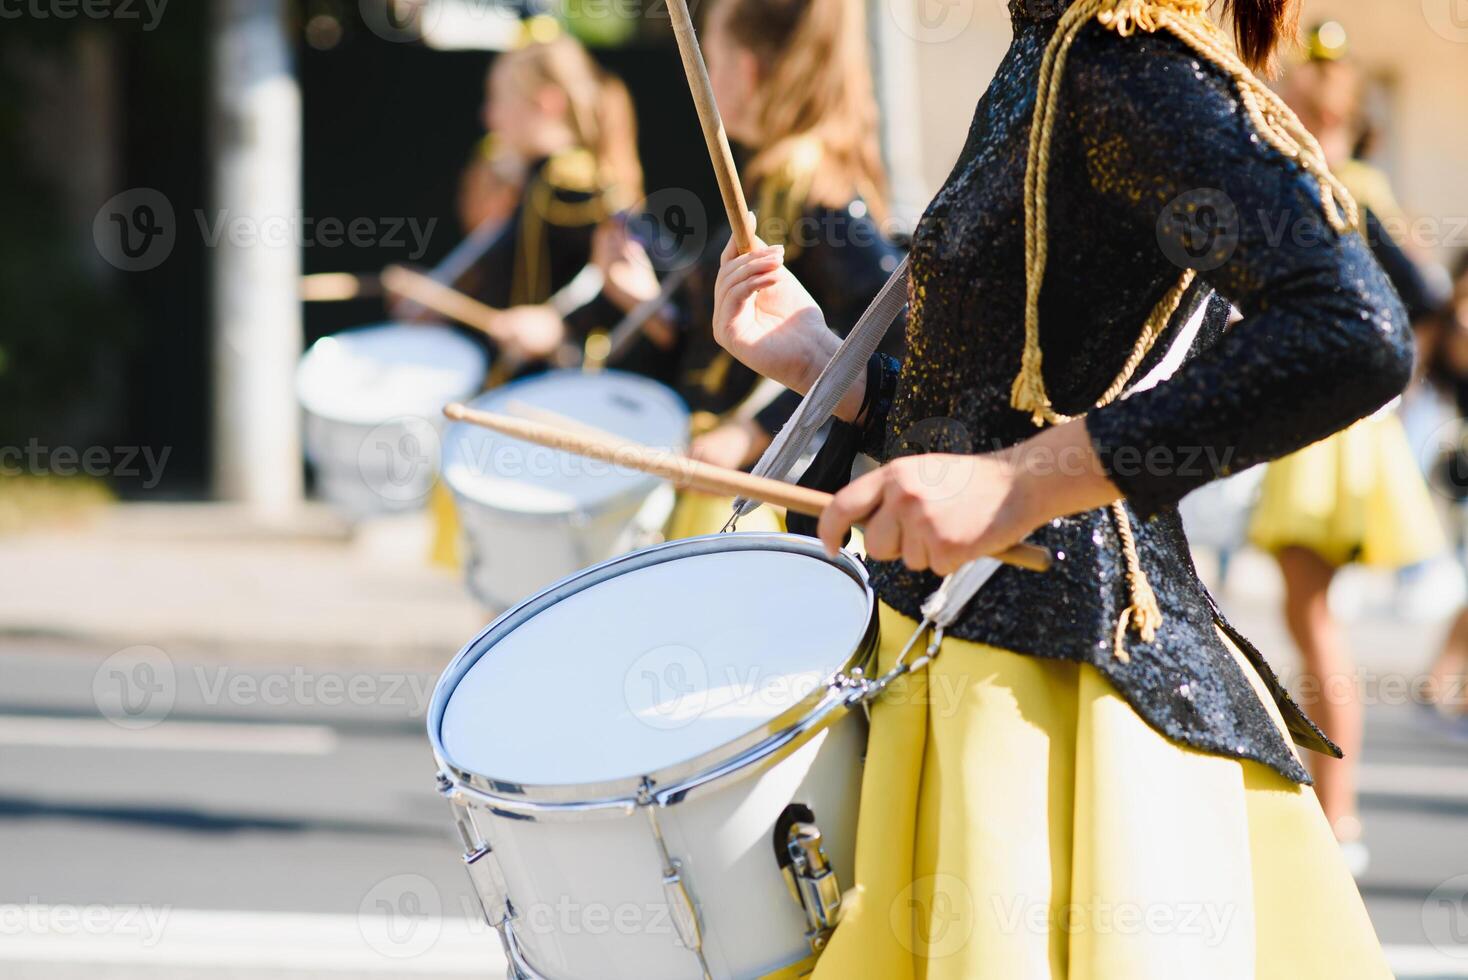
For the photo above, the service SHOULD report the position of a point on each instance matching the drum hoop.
(336, 419)
(637, 491)
(752, 752)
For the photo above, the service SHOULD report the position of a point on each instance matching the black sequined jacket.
(1146, 127)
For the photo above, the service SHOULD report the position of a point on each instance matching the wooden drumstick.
(336, 287)
(713, 127)
(446, 300)
(686, 473)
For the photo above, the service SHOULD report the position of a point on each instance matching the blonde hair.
(601, 115)
(815, 89)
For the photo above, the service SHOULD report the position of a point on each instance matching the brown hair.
(601, 115)
(1261, 27)
(816, 85)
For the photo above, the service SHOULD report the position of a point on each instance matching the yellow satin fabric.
(1356, 496)
(702, 513)
(1019, 820)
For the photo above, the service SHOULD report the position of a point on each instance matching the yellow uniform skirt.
(1018, 820)
(704, 513)
(1356, 496)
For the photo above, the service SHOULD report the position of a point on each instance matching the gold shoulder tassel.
(1188, 20)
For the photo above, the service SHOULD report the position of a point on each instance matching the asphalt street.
(282, 821)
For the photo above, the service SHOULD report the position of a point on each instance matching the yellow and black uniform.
(547, 241)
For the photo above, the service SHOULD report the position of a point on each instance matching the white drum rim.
(309, 403)
(485, 402)
(761, 746)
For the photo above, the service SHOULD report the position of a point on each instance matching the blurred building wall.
(1418, 51)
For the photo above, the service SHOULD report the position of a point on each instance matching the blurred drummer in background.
(1357, 496)
(569, 127)
(793, 82)
(559, 158)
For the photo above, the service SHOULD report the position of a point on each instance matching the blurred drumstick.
(713, 127)
(442, 299)
(686, 473)
(335, 287)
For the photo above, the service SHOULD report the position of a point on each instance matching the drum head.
(517, 476)
(655, 665)
(374, 374)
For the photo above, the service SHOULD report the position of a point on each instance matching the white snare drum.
(532, 515)
(373, 400)
(650, 760)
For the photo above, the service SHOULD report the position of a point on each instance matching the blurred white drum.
(655, 764)
(532, 515)
(373, 400)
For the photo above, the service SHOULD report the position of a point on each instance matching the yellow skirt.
(1018, 820)
(702, 513)
(1356, 496)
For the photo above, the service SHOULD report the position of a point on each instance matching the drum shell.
(359, 480)
(512, 554)
(588, 896)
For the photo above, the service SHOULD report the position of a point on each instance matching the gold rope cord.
(1276, 122)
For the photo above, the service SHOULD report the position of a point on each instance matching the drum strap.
(836, 378)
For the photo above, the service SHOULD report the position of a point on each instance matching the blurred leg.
(1331, 692)
(1445, 678)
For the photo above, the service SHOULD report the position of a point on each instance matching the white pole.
(900, 104)
(253, 230)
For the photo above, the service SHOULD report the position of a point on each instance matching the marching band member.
(549, 104)
(1094, 764)
(561, 157)
(793, 83)
(1358, 496)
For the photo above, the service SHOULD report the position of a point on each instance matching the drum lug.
(814, 882)
(479, 860)
(681, 907)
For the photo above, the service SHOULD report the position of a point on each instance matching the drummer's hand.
(627, 272)
(767, 319)
(938, 511)
(733, 445)
(530, 333)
